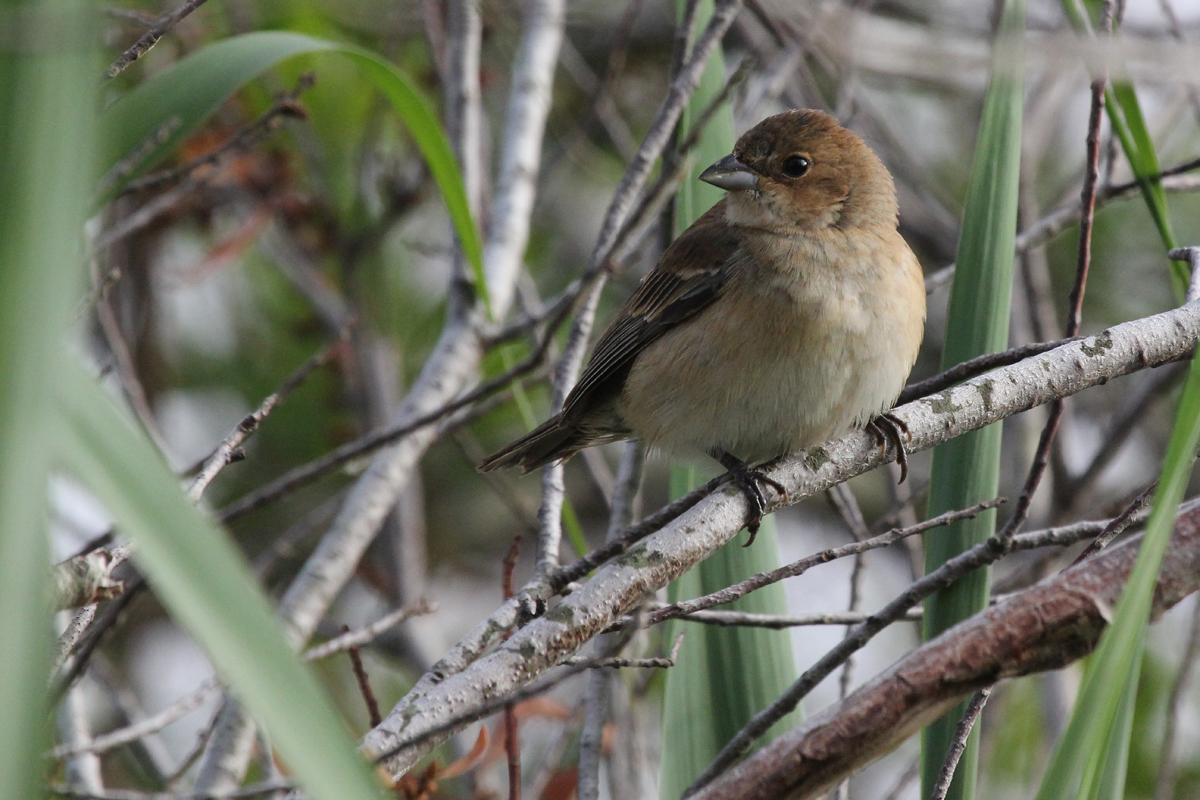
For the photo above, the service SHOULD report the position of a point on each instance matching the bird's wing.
(688, 279)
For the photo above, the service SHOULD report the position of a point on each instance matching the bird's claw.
(887, 428)
(751, 481)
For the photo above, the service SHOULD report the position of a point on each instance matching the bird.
(789, 313)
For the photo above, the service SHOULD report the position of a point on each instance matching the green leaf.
(180, 98)
(966, 469)
(201, 578)
(1125, 115)
(46, 92)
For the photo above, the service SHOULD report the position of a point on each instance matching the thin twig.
(847, 505)
(307, 473)
(364, 682)
(973, 367)
(643, 663)
(287, 106)
(151, 37)
(598, 694)
(1118, 526)
(357, 638)
(799, 567)
(226, 452)
(958, 744)
(144, 727)
(512, 744)
(745, 619)
(1041, 456)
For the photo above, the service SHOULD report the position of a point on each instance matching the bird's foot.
(750, 481)
(887, 428)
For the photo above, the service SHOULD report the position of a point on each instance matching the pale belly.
(771, 374)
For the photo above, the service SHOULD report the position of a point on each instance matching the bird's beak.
(730, 174)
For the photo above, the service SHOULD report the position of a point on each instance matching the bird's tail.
(551, 441)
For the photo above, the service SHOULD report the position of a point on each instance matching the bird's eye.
(795, 166)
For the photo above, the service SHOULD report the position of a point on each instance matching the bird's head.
(802, 170)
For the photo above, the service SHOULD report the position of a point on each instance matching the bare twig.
(1041, 456)
(286, 106)
(151, 37)
(364, 682)
(959, 743)
(357, 638)
(1120, 524)
(144, 727)
(799, 567)
(307, 473)
(512, 744)
(973, 367)
(847, 505)
(950, 571)
(597, 695)
(644, 663)
(225, 452)
(747, 619)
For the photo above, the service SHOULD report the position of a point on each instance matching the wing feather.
(690, 276)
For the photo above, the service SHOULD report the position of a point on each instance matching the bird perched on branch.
(787, 314)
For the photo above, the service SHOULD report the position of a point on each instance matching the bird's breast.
(803, 343)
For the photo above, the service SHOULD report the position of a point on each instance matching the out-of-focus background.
(331, 216)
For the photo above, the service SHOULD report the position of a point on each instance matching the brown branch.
(364, 682)
(229, 450)
(799, 567)
(1041, 455)
(287, 106)
(958, 744)
(975, 366)
(151, 37)
(1042, 628)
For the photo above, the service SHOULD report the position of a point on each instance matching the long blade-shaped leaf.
(966, 469)
(178, 99)
(46, 88)
(203, 581)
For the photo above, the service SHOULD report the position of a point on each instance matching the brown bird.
(787, 314)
